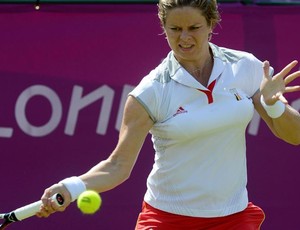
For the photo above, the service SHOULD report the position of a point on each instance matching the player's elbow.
(126, 176)
(122, 169)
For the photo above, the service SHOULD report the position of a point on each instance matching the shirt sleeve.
(146, 94)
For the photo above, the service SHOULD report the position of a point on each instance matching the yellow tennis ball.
(89, 202)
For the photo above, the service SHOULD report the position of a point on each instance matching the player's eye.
(195, 27)
(175, 28)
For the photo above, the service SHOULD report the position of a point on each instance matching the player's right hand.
(49, 206)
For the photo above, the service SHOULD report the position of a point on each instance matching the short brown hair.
(209, 9)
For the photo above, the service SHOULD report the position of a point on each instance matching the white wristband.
(75, 186)
(275, 110)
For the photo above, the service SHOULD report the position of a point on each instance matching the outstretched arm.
(283, 120)
(111, 172)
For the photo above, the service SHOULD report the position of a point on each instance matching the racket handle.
(31, 209)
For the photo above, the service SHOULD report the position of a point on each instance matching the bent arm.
(118, 166)
(286, 124)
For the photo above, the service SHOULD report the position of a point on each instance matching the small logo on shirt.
(180, 110)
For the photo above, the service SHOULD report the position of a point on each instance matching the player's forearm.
(106, 175)
(287, 126)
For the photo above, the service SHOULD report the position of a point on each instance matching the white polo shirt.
(199, 134)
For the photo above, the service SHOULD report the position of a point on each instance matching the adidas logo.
(180, 110)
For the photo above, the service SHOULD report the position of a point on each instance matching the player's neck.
(201, 71)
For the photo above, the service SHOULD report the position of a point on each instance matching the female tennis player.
(196, 104)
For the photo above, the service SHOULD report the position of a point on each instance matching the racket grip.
(31, 209)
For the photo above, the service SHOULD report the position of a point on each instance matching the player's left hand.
(273, 88)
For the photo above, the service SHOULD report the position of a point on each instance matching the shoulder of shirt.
(230, 55)
(162, 73)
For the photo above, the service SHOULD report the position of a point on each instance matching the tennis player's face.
(187, 33)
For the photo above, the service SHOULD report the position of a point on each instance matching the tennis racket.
(26, 211)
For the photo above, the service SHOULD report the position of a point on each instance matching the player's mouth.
(185, 47)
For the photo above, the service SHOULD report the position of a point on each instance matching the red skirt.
(153, 219)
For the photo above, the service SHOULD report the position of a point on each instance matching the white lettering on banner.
(6, 132)
(78, 102)
(26, 95)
